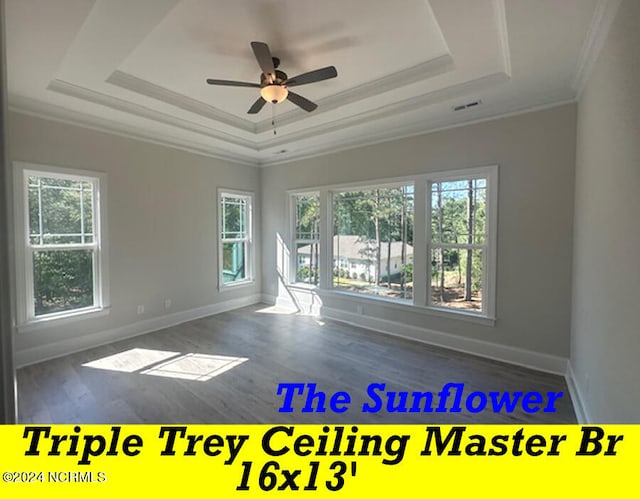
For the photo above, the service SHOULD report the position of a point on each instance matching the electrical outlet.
(167, 303)
(140, 309)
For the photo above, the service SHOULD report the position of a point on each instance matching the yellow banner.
(119, 461)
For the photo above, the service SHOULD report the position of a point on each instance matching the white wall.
(605, 347)
(536, 155)
(162, 209)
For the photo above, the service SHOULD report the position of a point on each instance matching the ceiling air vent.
(468, 105)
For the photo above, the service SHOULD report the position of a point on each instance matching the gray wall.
(605, 348)
(536, 155)
(162, 225)
(7, 372)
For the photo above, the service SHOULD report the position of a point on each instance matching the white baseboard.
(71, 345)
(512, 355)
(576, 397)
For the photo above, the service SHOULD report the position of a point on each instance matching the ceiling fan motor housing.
(280, 78)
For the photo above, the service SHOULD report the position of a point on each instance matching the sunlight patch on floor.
(195, 366)
(277, 310)
(190, 366)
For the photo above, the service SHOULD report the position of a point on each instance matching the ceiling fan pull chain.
(273, 118)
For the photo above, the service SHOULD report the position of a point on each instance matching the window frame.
(26, 317)
(421, 238)
(490, 174)
(293, 267)
(249, 252)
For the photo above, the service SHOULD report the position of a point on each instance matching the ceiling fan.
(274, 84)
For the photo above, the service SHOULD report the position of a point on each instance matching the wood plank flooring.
(153, 379)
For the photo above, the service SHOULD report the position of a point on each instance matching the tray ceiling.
(138, 67)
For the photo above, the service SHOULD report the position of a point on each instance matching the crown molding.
(411, 104)
(601, 22)
(500, 13)
(86, 94)
(51, 112)
(153, 91)
(420, 72)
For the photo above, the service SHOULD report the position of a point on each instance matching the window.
(62, 268)
(373, 241)
(306, 220)
(235, 238)
(427, 242)
(461, 242)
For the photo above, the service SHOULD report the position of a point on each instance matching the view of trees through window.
(373, 241)
(307, 238)
(234, 237)
(458, 243)
(62, 243)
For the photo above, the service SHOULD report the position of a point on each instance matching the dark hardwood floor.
(226, 369)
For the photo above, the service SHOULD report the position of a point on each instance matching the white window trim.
(490, 257)
(293, 264)
(249, 247)
(421, 238)
(26, 319)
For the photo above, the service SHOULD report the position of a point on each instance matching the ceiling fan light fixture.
(274, 93)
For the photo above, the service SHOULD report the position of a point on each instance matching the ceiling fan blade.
(300, 101)
(231, 83)
(312, 76)
(257, 106)
(265, 59)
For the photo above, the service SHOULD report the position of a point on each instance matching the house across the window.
(358, 256)
(373, 241)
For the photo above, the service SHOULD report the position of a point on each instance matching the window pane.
(233, 262)
(373, 242)
(60, 210)
(458, 212)
(456, 278)
(308, 262)
(307, 216)
(62, 280)
(234, 215)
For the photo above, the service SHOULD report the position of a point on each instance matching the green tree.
(60, 214)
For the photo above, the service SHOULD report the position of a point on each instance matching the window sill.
(411, 307)
(236, 285)
(460, 315)
(61, 320)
